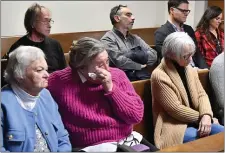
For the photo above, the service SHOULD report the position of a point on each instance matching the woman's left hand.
(204, 126)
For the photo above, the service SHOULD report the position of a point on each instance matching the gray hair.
(84, 51)
(19, 60)
(31, 15)
(116, 10)
(174, 44)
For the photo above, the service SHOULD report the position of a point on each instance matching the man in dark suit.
(178, 12)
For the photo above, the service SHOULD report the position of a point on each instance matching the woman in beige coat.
(181, 107)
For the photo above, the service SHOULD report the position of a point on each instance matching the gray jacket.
(117, 46)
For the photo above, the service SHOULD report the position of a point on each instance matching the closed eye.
(39, 69)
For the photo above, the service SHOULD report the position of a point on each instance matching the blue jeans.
(191, 133)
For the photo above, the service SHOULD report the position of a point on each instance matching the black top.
(181, 72)
(166, 29)
(51, 47)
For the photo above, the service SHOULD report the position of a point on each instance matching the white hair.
(175, 43)
(19, 60)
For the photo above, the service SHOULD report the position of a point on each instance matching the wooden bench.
(213, 143)
(66, 39)
(143, 89)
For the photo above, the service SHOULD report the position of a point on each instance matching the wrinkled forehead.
(40, 62)
(125, 10)
(44, 13)
(188, 49)
(101, 57)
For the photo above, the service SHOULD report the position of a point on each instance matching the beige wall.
(79, 16)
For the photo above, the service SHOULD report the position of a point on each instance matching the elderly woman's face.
(36, 75)
(100, 61)
(186, 56)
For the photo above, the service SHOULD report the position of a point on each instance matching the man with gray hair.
(37, 22)
(128, 51)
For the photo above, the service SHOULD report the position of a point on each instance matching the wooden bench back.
(66, 39)
(145, 127)
(143, 89)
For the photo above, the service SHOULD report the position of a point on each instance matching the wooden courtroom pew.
(213, 143)
(66, 39)
(143, 89)
(145, 127)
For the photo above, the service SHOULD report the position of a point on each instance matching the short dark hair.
(30, 16)
(115, 11)
(175, 3)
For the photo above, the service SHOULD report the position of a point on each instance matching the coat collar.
(170, 27)
(171, 71)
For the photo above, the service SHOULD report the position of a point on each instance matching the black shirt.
(181, 72)
(51, 47)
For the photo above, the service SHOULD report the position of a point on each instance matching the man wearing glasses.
(38, 22)
(178, 12)
(128, 51)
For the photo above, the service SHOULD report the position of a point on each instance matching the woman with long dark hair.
(210, 39)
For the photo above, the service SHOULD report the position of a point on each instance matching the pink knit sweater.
(89, 114)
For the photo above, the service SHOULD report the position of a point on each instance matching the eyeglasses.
(186, 57)
(183, 11)
(46, 22)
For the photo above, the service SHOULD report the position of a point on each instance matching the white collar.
(26, 100)
(83, 79)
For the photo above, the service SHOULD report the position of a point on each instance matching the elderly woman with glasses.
(98, 104)
(181, 107)
(30, 119)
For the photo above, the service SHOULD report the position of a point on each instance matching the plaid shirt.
(209, 48)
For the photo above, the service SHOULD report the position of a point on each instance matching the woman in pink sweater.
(98, 104)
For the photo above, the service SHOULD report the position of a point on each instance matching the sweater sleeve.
(199, 43)
(126, 104)
(203, 99)
(164, 91)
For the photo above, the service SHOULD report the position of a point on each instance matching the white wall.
(79, 16)
(200, 7)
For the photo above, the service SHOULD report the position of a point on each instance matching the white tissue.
(92, 75)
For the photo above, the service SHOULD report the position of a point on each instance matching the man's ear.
(171, 10)
(117, 18)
